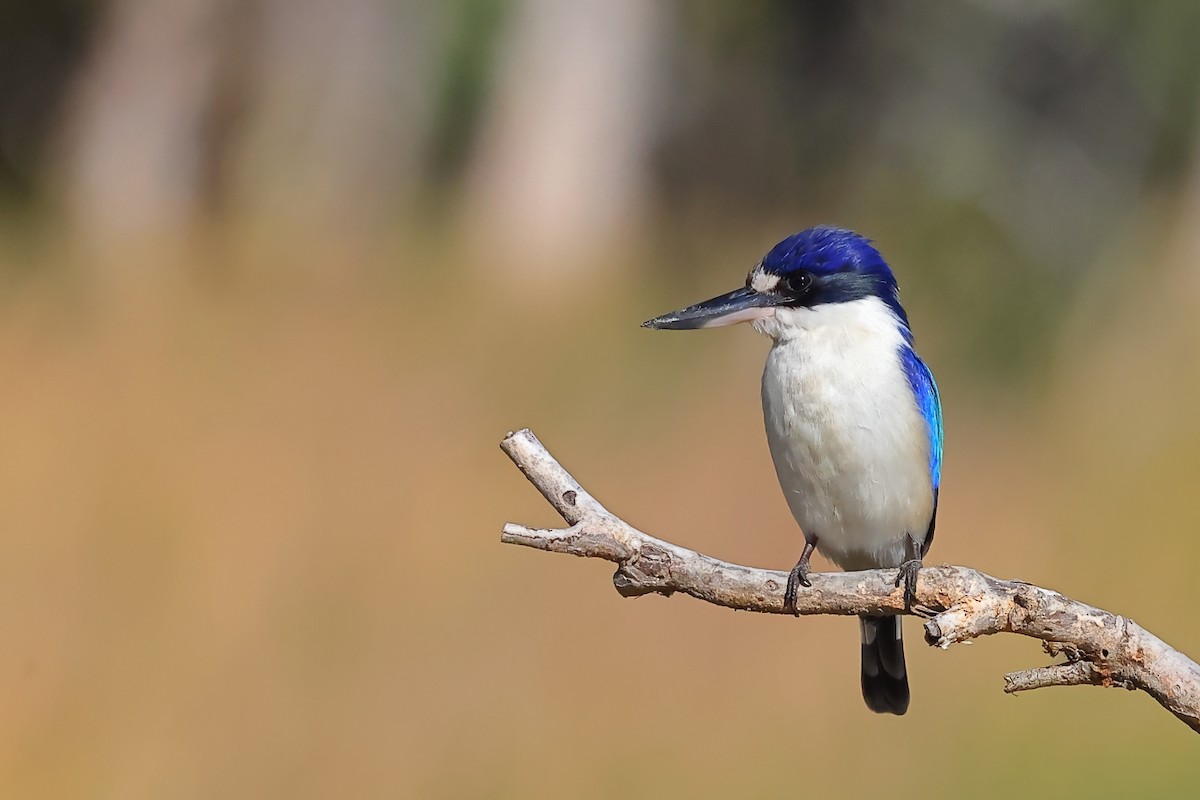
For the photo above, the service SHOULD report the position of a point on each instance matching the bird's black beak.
(740, 305)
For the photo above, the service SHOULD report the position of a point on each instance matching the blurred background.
(277, 276)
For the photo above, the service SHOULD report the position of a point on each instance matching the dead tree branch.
(959, 604)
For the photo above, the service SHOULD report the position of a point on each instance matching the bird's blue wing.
(926, 393)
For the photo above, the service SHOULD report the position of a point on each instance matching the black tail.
(884, 678)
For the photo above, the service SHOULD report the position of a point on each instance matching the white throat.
(868, 317)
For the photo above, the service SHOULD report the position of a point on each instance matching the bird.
(853, 421)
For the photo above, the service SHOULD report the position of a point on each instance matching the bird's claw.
(908, 576)
(796, 578)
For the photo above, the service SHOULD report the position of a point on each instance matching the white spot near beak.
(763, 282)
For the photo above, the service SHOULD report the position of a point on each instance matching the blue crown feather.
(856, 268)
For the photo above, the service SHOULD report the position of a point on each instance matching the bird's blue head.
(819, 267)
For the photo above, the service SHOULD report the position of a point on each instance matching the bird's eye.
(797, 283)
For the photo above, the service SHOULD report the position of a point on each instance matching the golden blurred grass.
(252, 549)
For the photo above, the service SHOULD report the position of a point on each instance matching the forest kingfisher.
(853, 420)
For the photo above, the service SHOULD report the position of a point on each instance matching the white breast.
(850, 446)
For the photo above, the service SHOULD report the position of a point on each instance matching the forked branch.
(959, 604)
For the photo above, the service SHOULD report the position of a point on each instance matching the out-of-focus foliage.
(960, 136)
(276, 276)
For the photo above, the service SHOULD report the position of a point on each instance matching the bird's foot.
(796, 578)
(908, 576)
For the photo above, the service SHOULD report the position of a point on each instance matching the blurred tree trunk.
(133, 159)
(339, 117)
(303, 117)
(560, 170)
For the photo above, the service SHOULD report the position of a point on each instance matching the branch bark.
(958, 604)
